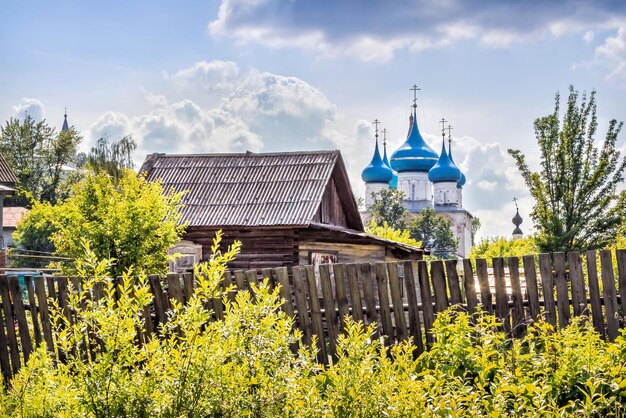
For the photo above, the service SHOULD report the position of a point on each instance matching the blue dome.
(393, 184)
(462, 180)
(445, 170)
(414, 154)
(377, 171)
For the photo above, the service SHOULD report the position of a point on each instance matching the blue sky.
(270, 75)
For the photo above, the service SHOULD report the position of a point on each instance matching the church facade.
(426, 179)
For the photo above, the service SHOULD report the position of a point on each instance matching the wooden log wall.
(401, 298)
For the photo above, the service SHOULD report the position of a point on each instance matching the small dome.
(517, 219)
(445, 170)
(376, 171)
(414, 154)
(65, 126)
(393, 183)
(462, 180)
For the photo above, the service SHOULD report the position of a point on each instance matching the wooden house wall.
(331, 210)
(261, 247)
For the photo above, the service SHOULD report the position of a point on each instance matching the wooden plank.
(547, 282)
(415, 328)
(240, 280)
(532, 290)
(174, 288)
(282, 276)
(316, 314)
(355, 293)
(366, 279)
(594, 294)
(518, 317)
(44, 312)
(439, 285)
(427, 301)
(329, 308)
(502, 299)
(620, 255)
(579, 296)
(160, 307)
(5, 363)
(188, 286)
(382, 281)
(98, 291)
(299, 292)
(20, 315)
(470, 286)
(51, 288)
(562, 295)
(453, 282)
(63, 297)
(7, 309)
(396, 298)
(609, 294)
(483, 281)
(339, 271)
(266, 273)
(34, 311)
(252, 280)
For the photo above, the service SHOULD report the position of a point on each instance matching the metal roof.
(246, 189)
(7, 177)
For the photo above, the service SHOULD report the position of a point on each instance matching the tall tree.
(112, 157)
(38, 155)
(435, 233)
(389, 208)
(576, 205)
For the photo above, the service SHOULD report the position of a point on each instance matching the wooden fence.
(402, 298)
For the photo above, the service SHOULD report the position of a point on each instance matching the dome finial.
(517, 221)
(376, 123)
(415, 89)
(443, 130)
(65, 126)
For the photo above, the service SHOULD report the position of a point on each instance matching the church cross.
(443, 127)
(515, 200)
(414, 89)
(376, 123)
(449, 128)
(384, 136)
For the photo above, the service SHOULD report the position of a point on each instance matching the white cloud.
(32, 107)
(612, 54)
(377, 31)
(209, 76)
(588, 37)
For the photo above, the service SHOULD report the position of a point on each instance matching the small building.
(11, 216)
(291, 208)
(8, 182)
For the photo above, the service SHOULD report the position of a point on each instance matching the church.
(427, 180)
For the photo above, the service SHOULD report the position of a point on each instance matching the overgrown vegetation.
(130, 221)
(384, 231)
(243, 365)
(490, 248)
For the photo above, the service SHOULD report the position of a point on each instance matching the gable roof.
(250, 189)
(7, 177)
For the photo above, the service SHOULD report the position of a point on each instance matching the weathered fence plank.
(5, 364)
(620, 255)
(396, 298)
(502, 300)
(453, 283)
(532, 290)
(427, 301)
(20, 316)
(34, 311)
(174, 288)
(547, 282)
(562, 295)
(330, 313)
(439, 285)
(299, 291)
(316, 314)
(415, 329)
(518, 317)
(483, 281)
(382, 281)
(355, 293)
(367, 280)
(44, 312)
(282, 276)
(470, 286)
(7, 309)
(339, 271)
(609, 294)
(594, 294)
(577, 280)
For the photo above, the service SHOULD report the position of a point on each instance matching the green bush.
(244, 366)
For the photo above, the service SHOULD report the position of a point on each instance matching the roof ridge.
(248, 154)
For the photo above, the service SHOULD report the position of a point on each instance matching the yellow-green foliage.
(129, 220)
(490, 248)
(242, 366)
(386, 232)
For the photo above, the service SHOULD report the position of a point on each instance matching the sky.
(286, 75)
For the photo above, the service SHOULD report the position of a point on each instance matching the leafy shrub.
(244, 366)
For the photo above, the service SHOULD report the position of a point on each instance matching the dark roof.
(7, 177)
(249, 189)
